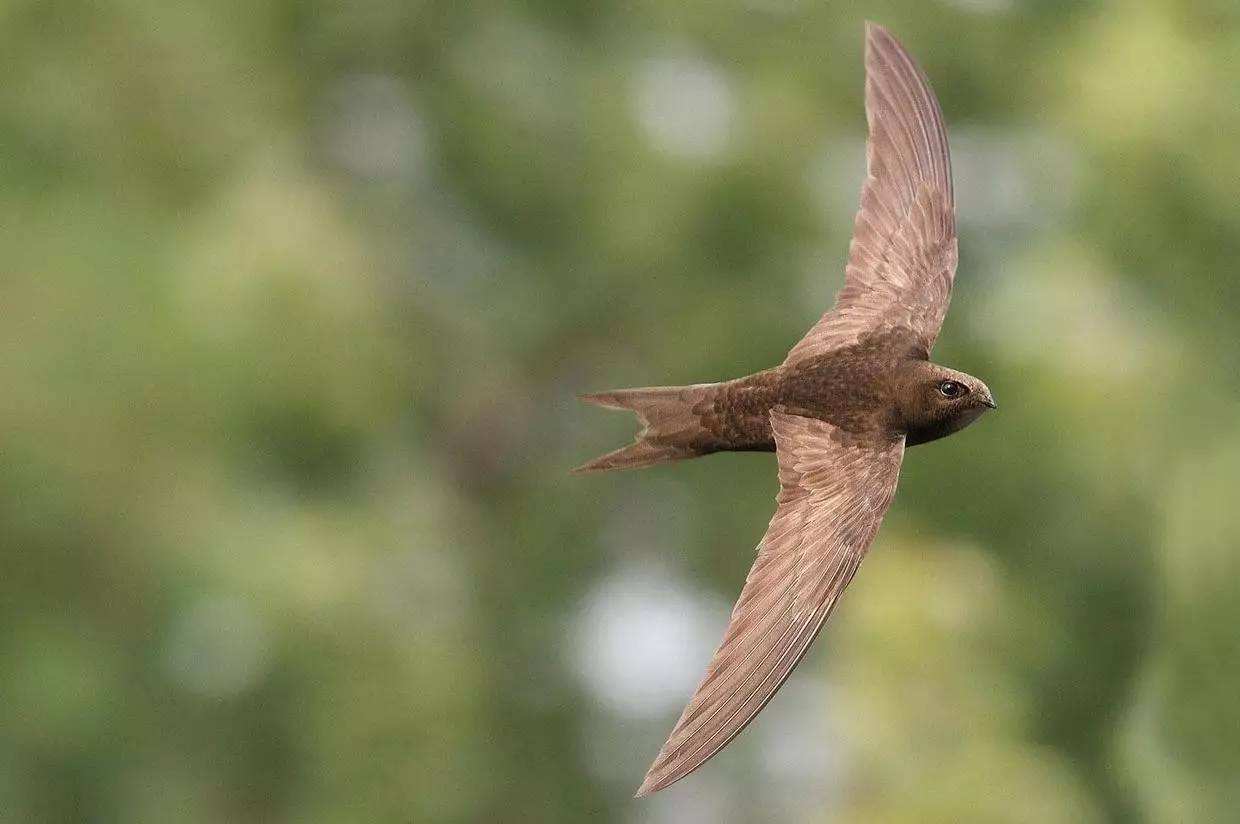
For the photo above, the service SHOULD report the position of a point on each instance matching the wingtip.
(648, 788)
(658, 778)
(873, 31)
(607, 400)
(879, 38)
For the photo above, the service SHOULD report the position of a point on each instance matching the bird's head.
(936, 401)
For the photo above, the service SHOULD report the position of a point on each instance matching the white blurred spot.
(1069, 308)
(797, 751)
(685, 106)
(643, 641)
(219, 647)
(991, 178)
(372, 130)
(1008, 178)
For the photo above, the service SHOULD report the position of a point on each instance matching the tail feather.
(672, 418)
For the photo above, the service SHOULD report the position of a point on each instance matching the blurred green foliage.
(296, 300)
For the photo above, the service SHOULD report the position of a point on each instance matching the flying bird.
(837, 413)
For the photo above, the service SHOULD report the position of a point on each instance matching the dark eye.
(952, 389)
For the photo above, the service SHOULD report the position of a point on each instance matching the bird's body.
(838, 412)
(869, 390)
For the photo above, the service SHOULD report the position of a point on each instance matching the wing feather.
(902, 259)
(834, 491)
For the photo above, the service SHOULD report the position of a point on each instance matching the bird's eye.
(951, 389)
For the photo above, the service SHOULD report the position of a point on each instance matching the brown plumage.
(838, 412)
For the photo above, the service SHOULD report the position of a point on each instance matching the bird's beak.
(988, 400)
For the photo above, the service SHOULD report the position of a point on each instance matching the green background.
(294, 304)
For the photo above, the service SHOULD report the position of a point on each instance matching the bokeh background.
(296, 300)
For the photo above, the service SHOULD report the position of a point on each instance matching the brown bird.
(838, 412)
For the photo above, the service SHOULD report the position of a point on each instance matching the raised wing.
(834, 491)
(903, 254)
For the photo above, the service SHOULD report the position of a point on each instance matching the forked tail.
(672, 418)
